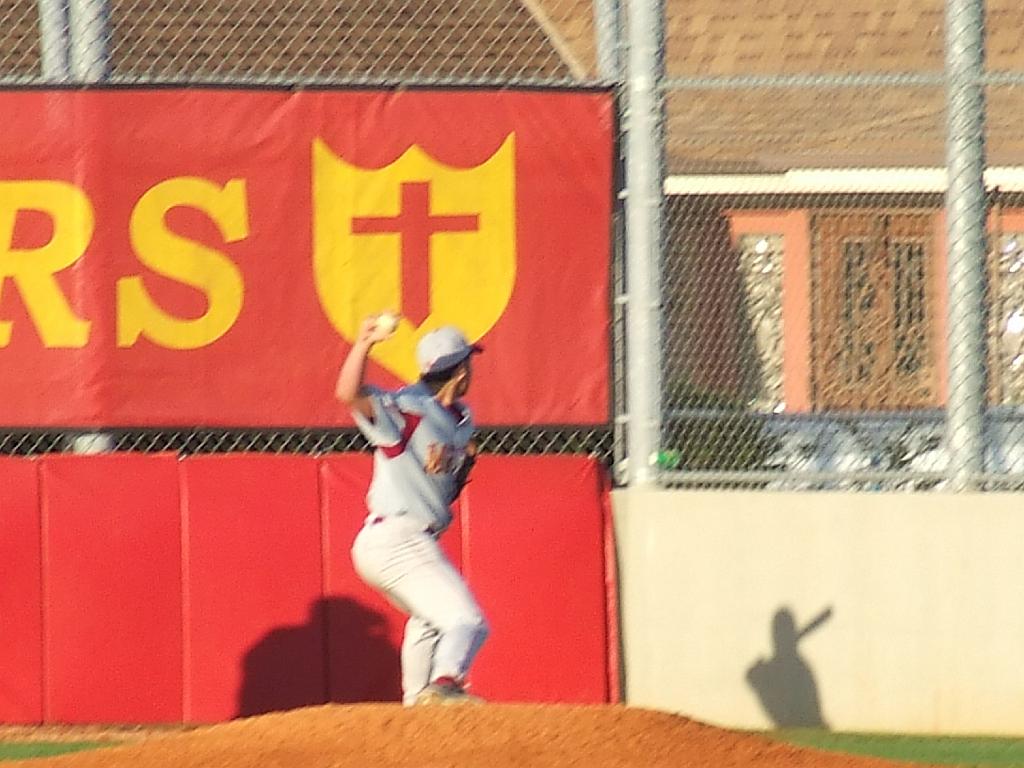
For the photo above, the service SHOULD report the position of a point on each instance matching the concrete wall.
(920, 601)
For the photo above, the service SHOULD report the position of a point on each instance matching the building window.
(1006, 326)
(910, 301)
(760, 266)
(873, 311)
(858, 347)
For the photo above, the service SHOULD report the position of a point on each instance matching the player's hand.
(372, 332)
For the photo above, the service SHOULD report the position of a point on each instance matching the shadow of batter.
(784, 683)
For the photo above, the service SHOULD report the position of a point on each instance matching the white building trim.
(836, 180)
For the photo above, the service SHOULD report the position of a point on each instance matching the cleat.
(446, 690)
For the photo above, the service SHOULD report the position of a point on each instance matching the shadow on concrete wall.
(784, 683)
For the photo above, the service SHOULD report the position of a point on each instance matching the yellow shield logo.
(435, 243)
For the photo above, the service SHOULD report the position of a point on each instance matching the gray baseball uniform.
(420, 448)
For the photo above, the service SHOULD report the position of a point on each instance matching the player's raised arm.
(349, 388)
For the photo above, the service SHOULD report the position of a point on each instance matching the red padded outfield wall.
(111, 580)
(253, 572)
(21, 631)
(141, 588)
(533, 555)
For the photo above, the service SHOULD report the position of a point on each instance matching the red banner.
(203, 257)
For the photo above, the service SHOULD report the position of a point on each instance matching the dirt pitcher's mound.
(490, 736)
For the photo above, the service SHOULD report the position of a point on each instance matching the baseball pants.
(446, 627)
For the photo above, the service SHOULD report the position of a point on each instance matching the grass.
(975, 751)
(25, 750)
(980, 751)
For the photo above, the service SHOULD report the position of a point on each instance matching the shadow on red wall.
(371, 672)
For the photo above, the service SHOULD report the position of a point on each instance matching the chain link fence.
(299, 42)
(806, 281)
(803, 291)
(196, 440)
(308, 43)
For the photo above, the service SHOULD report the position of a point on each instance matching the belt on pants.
(377, 519)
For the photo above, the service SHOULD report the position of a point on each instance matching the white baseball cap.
(443, 348)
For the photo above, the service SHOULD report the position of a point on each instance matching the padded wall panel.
(533, 549)
(21, 625)
(254, 618)
(111, 588)
(364, 631)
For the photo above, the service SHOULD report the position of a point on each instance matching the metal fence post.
(644, 198)
(608, 37)
(966, 212)
(53, 39)
(89, 34)
(90, 42)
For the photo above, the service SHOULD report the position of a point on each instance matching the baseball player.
(424, 452)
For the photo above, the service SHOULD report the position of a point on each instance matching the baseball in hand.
(386, 322)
